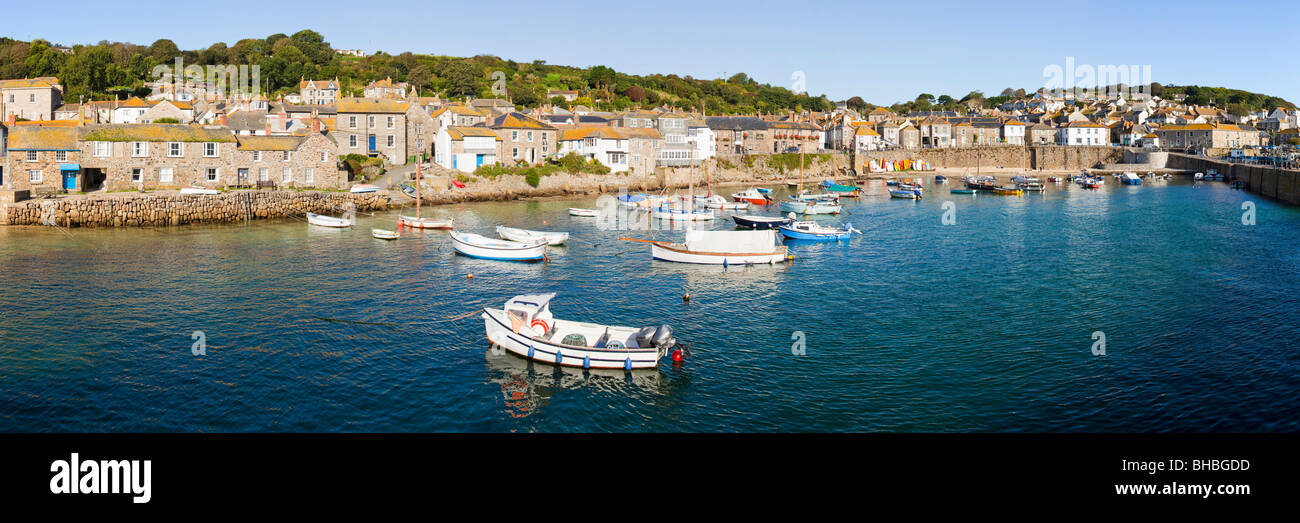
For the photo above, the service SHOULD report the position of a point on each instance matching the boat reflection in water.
(527, 387)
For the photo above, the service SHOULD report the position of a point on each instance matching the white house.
(1013, 132)
(607, 145)
(1083, 133)
(703, 139)
(466, 148)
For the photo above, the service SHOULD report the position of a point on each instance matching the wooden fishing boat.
(720, 248)
(363, 188)
(814, 231)
(718, 202)
(527, 236)
(382, 234)
(574, 211)
(408, 190)
(761, 222)
(752, 197)
(328, 221)
(425, 223)
(478, 246)
(526, 327)
(1008, 191)
(199, 191)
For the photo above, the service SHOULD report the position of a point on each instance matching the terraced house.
(524, 139)
(42, 160)
(305, 161)
(607, 145)
(318, 92)
(393, 129)
(466, 148)
(30, 98)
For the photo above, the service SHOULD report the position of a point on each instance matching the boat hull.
(518, 252)
(574, 211)
(424, 223)
(817, 237)
(679, 254)
(526, 236)
(497, 326)
(328, 221)
(809, 207)
(760, 222)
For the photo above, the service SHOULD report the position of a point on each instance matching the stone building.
(524, 138)
(306, 161)
(42, 159)
(318, 92)
(30, 98)
(373, 127)
(466, 148)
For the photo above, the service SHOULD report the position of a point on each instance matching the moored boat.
(718, 202)
(382, 234)
(200, 191)
(1129, 179)
(673, 214)
(478, 246)
(939, 179)
(527, 236)
(363, 188)
(425, 223)
(525, 326)
(761, 222)
(810, 207)
(1009, 190)
(906, 194)
(327, 221)
(720, 248)
(847, 191)
(752, 197)
(963, 191)
(575, 211)
(808, 230)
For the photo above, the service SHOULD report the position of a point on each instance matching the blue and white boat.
(811, 206)
(939, 178)
(1129, 179)
(814, 231)
(631, 200)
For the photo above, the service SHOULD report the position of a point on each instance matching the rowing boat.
(478, 246)
(527, 236)
(808, 230)
(363, 188)
(382, 234)
(720, 248)
(424, 223)
(761, 222)
(327, 221)
(574, 211)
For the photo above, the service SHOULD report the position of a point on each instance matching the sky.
(885, 52)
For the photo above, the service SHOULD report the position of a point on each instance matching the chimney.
(315, 122)
(268, 124)
(13, 119)
(223, 120)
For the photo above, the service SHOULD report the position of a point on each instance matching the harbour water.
(986, 324)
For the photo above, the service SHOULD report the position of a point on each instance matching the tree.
(215, 54)
(42, 60)
(601, 77)
(420, 77)
(1008, 92)
(856, 103)
(463, 77)
(636, 94)
(164, 50)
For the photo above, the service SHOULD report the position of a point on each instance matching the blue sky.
(883, 51)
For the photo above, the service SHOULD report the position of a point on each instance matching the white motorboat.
(751, 196)
(479, 246)
(718, 202)
(425, 223)
(679, 215)
(574, 211)
(526, 327)
(327, 221)
(721, 248)
(383, 234)
(363, 188)
(527, 236)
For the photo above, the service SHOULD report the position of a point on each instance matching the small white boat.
(327, 221)
(527, 236)
(721, 248)
(526, 327)
(679, 215)
(718, 202)
(199, 190)
(363, 187)
(478, 246)
(424, 223)
(383, 234)
(575, 211)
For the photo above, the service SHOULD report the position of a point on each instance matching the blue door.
(70, 180)
(478, 160)
(372, 143)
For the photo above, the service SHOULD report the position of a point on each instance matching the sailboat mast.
(800, 167)
(419, 178)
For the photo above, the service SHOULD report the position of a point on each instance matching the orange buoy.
(469, 276)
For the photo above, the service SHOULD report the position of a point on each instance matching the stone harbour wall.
(1271, 182)
(149, 210)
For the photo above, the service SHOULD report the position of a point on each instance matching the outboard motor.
(663, 337)
(645, 337)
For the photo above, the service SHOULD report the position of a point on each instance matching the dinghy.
(903, 194)
(526, 327)
(407, 190)
(363, 188)
(679, 215)
(810, 207)
(200, 190)
(382, 234)
(846, 191)
(761, 222)
(425, 223)
(963, 191)
(327, 221)
(1129, 179)
(478, 246)
(718, 202)
(527, 236)
(817, 232)
(764, 190)
(720, 248)
(574, 211)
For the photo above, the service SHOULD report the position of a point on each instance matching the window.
(137, 174)
(390, 122)
(324, 157)
(352, 122)
(391, 141)
(286, 175)
(288, 155)
(352, 141)
(419, 128)
(34, 176)
(514, 136)
(164, 175)
(514, 152)
(100, 149)
(31, 156)
(210, 150)
(309, 175)
(61, 156)
(31, 97)
(263, 175)
(175, 149)
(530, 136)
(257, 156)
(370, 121)
(212, 174)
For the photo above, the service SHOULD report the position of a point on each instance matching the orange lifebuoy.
(544, 327)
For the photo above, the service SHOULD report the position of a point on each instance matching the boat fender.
(544, 326)
(586, 362)
(530, 351)
(559, 357)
